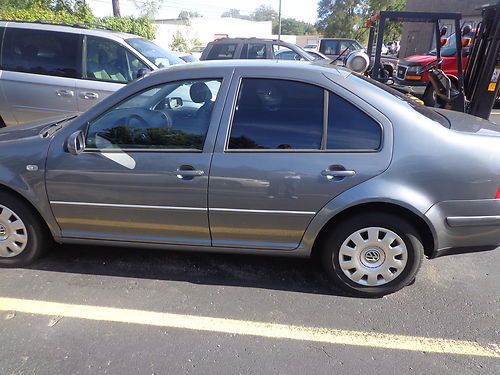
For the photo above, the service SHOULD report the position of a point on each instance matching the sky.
(303, 10)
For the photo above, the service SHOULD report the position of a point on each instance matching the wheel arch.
(21, 197)
(423, 227)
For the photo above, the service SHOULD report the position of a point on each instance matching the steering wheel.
(142, 122)
(429, 66)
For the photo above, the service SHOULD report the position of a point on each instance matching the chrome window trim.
(180, 208)
(328, 92)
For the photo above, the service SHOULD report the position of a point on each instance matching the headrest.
(200, 93)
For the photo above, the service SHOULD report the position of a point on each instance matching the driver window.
(172, 116)
(107, 60)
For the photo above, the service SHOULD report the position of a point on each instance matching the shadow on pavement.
(265, 272)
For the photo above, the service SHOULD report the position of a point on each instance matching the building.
(204, 29)
(419, 38)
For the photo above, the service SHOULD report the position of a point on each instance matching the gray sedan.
(261, 157)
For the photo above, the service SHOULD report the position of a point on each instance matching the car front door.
(290, 146)
(143, 175)
(107, 66)
(38, 73)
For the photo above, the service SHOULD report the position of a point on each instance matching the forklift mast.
(482, 76)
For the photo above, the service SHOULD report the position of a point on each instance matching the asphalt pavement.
(91, 310)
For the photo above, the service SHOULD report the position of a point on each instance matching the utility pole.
(279, 22)
(116, 8)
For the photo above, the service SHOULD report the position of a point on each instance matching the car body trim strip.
(180, 208)
(262, 211)
(468, 221)
(128, 206)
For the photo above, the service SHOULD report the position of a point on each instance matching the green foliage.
(179, 42)
(291, 26)
(185, 15)
(346, 18)
(264, 13)
(73, 12)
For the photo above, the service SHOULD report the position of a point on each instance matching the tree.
(116, 8)
(291, 26)
(185, 15)
(232, 13)
(346, 18)
(264, 13)
(179, 42)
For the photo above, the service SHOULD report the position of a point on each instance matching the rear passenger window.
(41, 52)
(349, 128)
(277, 114)
(254, 51)
(222, 52)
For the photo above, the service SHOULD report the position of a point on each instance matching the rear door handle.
(89, 95)
(330, 174)
(65, 93)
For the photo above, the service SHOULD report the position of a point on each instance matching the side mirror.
(76, 143)
(443, 31)
(175, 102)
(141, 73)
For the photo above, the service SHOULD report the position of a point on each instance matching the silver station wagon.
(261, 157)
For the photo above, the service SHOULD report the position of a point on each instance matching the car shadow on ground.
(264, 272)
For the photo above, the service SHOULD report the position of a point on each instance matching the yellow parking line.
(252, 328)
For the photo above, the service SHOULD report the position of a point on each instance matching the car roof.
(76, 28)
(241, 40)
(265, 65)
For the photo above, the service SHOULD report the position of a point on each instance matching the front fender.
(15, 158)
(376, 190)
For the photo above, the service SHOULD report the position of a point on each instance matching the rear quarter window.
(222, 51)
(41, 52)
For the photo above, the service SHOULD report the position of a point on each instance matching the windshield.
(411, 103)
(154, 53)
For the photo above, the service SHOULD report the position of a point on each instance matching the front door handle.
(89, 95)
(337, 174)
(65, 93)
(188, 173)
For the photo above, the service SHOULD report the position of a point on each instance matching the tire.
(386, 257)
(429, 97)
(23, 235)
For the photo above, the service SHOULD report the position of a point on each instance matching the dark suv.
(254, 48)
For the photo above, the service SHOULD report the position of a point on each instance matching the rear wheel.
(430, 98)
(372, 255)
(23, 237)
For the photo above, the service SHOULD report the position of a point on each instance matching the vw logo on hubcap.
(372, 256)
(3, 232)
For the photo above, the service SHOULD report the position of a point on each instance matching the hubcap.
(373, 256)
(13, 233)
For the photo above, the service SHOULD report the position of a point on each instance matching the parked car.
(317, 55)
(253, 49)
(311, 47)
(197, 51)
(185, 56)
(408, 69)
(67, 69)
(326, 162)
(334, 47)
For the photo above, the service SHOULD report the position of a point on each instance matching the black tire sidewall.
(37, 233)
(338, 235)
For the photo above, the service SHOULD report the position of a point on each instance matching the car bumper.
(465, 225)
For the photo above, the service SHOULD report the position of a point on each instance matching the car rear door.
(286, 147)
(38, 72)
